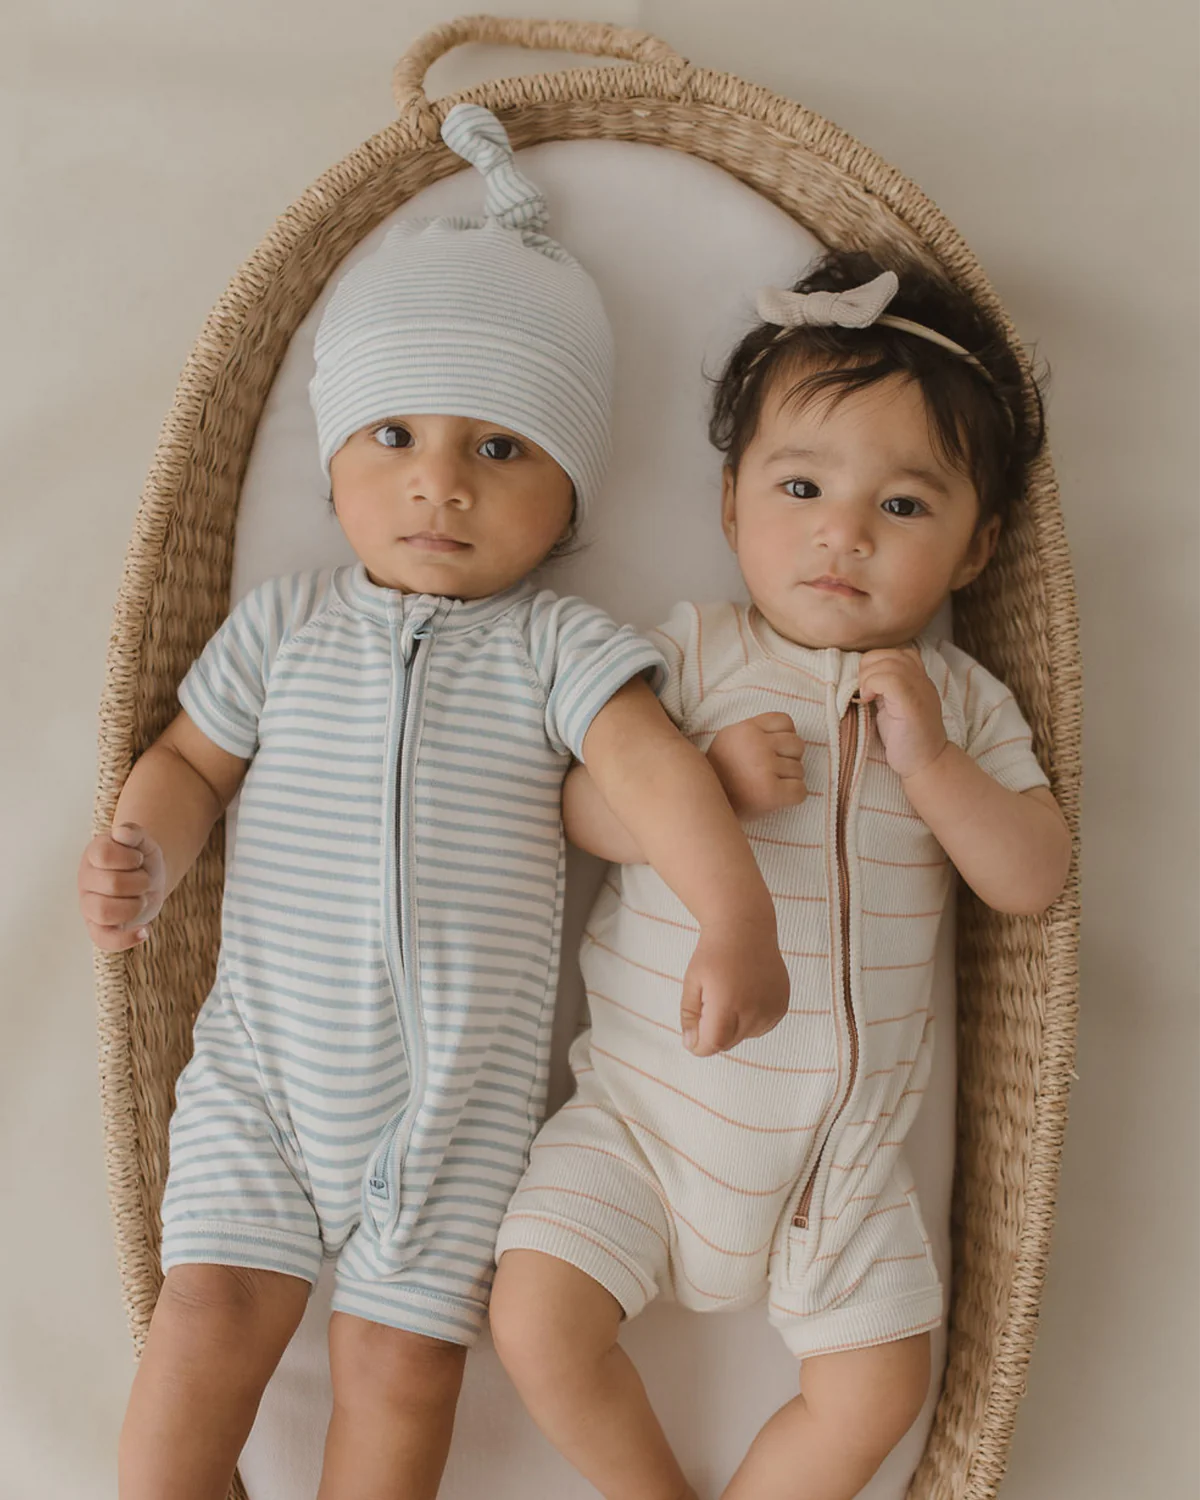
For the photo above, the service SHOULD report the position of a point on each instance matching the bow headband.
(857, 307)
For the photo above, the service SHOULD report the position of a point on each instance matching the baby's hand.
(760, 763)
(122, 886)
(908, 711)
(736, 986)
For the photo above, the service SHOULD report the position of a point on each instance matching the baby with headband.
(370, 1066)
(870, 458)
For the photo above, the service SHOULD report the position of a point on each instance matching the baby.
(870, 457)
(370, 1067)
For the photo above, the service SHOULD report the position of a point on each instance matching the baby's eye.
(392, 435)
(903, 505)
(801, 489)
(500, 448)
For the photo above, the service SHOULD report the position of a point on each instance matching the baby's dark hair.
(981, 426)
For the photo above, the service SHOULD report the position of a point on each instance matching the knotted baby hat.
(485, 318)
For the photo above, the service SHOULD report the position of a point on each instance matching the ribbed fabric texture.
(371, 1064)
(484, 318)
(670, 1170)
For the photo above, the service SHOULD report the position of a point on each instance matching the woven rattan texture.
(1017, 977)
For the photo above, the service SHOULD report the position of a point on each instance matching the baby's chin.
(454, 576)
(829, 630)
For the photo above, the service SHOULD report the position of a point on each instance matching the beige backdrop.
(145, 148)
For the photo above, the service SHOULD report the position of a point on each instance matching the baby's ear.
(978, 554)
(729, 506)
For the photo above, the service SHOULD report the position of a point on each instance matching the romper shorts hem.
(412, 1309)
(192, 1242)
(858, 1325)
(589, 1252)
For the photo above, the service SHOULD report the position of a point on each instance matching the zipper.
(849, 735)
(400, 925)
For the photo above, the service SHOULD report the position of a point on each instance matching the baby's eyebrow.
(926, 476)
(792, 453)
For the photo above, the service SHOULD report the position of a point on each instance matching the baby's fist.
(736, 986)
(122, 886)
(908, 711)
(760, 763)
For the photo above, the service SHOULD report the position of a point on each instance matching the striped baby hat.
(485, 318)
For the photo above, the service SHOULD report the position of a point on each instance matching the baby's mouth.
(435, 541)
(829, 583)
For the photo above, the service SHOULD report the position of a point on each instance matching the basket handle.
(592, 37)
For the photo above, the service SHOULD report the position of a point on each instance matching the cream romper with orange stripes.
(778, 1167)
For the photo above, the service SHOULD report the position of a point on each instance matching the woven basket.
(1016, 977)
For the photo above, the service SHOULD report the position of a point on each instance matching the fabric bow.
(510, 199)
(857, 307)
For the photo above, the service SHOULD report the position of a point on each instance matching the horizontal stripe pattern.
(337, 1102)
(726, 1144)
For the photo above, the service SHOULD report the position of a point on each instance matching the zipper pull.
(421, 633)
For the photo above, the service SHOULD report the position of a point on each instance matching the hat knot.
(510, 199)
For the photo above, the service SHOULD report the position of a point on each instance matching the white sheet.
(678, 249)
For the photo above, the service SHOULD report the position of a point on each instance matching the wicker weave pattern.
(1017, 977)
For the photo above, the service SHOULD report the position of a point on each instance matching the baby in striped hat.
(370, 1065)
(873, 441)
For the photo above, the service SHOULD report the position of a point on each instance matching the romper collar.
(403, 611)
(829, 665)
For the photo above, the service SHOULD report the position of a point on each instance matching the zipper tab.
(421, 632)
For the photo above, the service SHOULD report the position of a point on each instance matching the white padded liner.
(678, 248)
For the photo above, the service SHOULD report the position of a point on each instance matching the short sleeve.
(996, 735)
(702, 644)
(582, 658)
(225, 689)
(676, 638)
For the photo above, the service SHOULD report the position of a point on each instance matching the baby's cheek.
(764, 559)
(914, 597)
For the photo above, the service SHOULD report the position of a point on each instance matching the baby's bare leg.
(394, 1395)
(827, 1442)
(216, 1335)
(556, 1332)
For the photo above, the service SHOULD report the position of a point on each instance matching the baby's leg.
(828, 1442)
(394, 1395)
(555, 1330)
(216, 1335)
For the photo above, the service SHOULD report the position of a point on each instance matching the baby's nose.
(845, 531)
(440, 480)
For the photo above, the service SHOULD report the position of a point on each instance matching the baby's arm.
(663, 791)
(759, 763)
(592, 825)
(175, 793)
(1012, 848)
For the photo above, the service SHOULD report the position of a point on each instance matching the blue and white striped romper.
(370, 1066)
